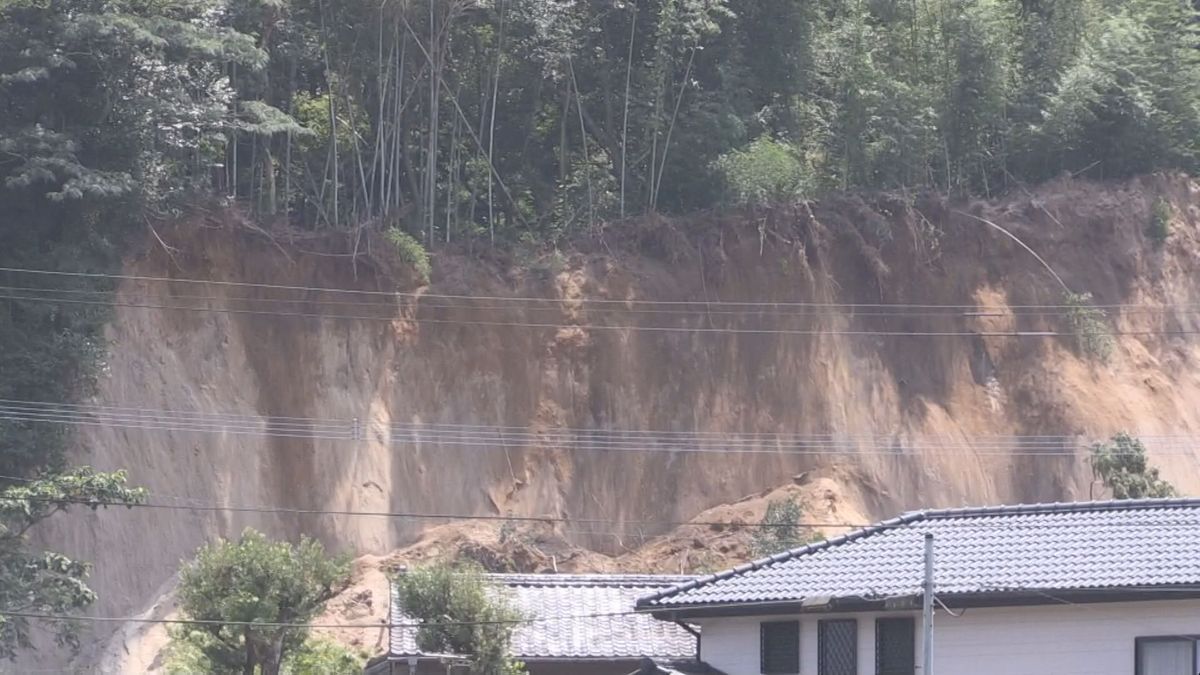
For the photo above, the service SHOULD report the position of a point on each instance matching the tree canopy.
(45, 582)
(1122, 466)
(462, 614)
(232, 585)
(526, 118)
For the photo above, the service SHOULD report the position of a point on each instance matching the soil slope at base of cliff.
(536, 548)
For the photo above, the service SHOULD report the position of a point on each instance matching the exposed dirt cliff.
(926, 400)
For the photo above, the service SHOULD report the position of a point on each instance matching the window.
(1173, 655)
(780, 649)
(895, 647)
(837, 648)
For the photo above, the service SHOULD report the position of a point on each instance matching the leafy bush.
(780, 529)
(765, 171)
(1093, 339)
(463, 615)
(1122, 466)
(410, 251)
(322, 656)
(317, 656)
(1160, 221)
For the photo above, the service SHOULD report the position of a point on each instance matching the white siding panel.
(1093, 639)
(1096, 639)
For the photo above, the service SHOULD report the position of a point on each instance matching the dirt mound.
(525, 548)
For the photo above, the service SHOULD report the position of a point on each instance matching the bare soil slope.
(925, 402)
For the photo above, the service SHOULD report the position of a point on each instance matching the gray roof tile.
(625, 636)
(1039, 547)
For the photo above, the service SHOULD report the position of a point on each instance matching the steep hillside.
(913, 407)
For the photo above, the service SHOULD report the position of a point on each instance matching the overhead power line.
(561, 305)
(421, 295)
(602, 327)
(486, 437)
(557, 326)
(1149, 591)
(278, 624)
(730, 525)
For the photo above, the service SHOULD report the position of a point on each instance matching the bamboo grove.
(535, 118)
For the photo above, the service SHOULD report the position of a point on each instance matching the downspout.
(694, 632)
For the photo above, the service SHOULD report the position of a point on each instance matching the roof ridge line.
(760, 563)
(1148, 503)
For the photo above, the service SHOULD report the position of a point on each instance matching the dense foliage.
(1122, 466)
(461, 614)
(316, 656)
(451, 118)
(45, 582)
(521, 117)
(232, 584)
(781, 529)
(110, 112)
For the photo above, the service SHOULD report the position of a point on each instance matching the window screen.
(780, 646)
(837, 647)
(895, 647)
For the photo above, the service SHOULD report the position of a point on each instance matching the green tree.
(110, 112)
(780, 529)
(764, 172)
(1122, 466)
(1087, 326)
(233, 584)
(317, 656)
(46, 582)
(462, 614)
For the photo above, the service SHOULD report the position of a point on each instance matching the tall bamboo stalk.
(625, 120)
(492, 123)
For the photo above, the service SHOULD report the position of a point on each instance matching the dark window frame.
(778, 669)
(1143, 639)
(906, 669)
(822, 626)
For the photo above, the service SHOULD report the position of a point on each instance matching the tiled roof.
(622, 635)
(1029, 548)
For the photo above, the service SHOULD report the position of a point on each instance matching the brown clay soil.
(990, 368)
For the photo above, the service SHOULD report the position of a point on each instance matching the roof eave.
(1000, 598)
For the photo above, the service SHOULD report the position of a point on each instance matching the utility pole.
(927, 630)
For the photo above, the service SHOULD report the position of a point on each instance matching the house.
(600, 633)
(1095, 588)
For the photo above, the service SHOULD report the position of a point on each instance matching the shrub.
(765, 171)
(461, 614)
(780, 529)
(410, 251)
(1160, 221)
(1093, 339)
(1122, 466)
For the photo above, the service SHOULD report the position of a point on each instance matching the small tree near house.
(461, 614)
(231, 585)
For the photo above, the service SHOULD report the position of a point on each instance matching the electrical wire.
(501, 437)
(544, 619)
(501, 298)
(559, 326)
(601, 327)
(559, 305)
(980, 522)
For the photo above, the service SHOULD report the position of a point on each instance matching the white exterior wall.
(1095, 639)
